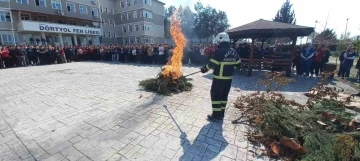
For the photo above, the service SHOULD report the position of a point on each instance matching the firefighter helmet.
(222, 37)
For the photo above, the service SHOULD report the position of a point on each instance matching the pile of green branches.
(320, 130)
(166, 85)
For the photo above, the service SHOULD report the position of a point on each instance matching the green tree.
(187, 22)
(286, 14)
(209, 21)
(328, 36)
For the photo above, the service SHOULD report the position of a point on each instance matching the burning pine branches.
(170, 79)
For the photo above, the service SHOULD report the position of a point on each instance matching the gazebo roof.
(269, 29)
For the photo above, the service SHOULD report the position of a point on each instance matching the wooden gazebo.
(262, 30)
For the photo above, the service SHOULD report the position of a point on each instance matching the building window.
(70, 7)
(101, 9)
(148, 2)
(135, 2)
(112, 11)
(83, 9)
(85, 23)
(72, 22)
(56, 4)
(113, 23)
(22, 1)
(129, 16)
(147, 14)
(143, 27)
(131, 40)
(125, 40)
(109, 34)
(5, 16)
(104, 35)
(140, 14)
(94, 12)
(25, 16)
(130, 28)
(135, 14)
(123, 16)
(102, 20)
(42, 18)
(122, 5)
(106, 10)
(61, 21)
(124, 29)
(40, 3)
(108, 22)
(137, 41)
(114, 35)
(8, 38)
(128, 2)
(136, 27)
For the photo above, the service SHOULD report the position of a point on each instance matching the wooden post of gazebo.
(251, 56)
(293, 46)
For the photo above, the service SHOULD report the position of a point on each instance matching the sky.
(241, 12)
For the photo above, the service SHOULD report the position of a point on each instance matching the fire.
(174, 67)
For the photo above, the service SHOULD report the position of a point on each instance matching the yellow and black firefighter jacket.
(224, 61)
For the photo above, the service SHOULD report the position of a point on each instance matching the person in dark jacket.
(347, 62)
(223, 64)
(358, 67)
(20, 54)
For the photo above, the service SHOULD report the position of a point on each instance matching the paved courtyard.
(96, 111)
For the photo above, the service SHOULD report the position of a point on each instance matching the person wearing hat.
(223, 63)
(348, 62)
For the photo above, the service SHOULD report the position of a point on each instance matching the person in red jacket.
(316, 61)
(5, 55)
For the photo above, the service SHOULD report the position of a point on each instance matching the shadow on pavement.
(200, 146)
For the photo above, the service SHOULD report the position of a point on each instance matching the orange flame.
(173, 68)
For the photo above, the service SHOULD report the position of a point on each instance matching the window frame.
(73, 20)
(135, 14)
(130, 26)
(21, 1)
(39, 3)
(109, 34)
(21, 15)
(113, 23)
(127, 15)
(6, 14)
(137, 28)
(112, 11)
(128, 3)
(94, 10)
(122, 4)
(104, 34)
(85, 22)
(124, 29)
(13, 36)
(108, 21)
(47, 18)
(114, 35)
(67, 4)
(86, 7)
(101, 9)
(123, 18)
(54, 1)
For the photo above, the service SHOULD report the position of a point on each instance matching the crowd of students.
(309, 60)
(30, 55)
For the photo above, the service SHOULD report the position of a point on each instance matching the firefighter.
(223, 63)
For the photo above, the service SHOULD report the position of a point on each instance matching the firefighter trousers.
(219, 95)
